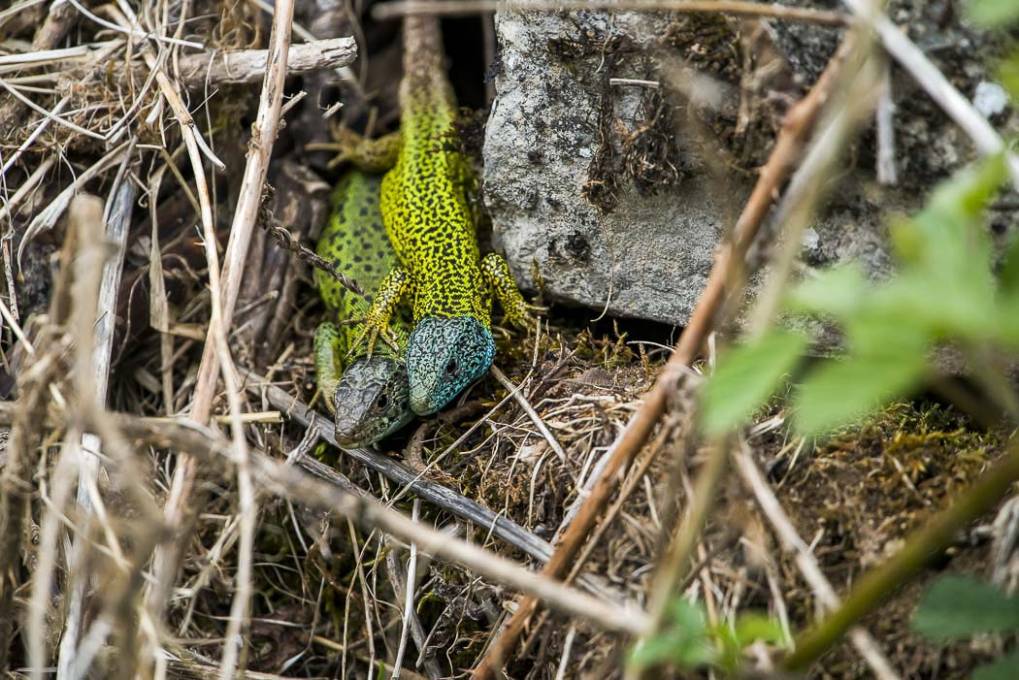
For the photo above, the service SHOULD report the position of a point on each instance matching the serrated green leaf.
(835, 292)
(746, 377)
(841, 391)
(993, 13)
(1005, 668)
(959, 606)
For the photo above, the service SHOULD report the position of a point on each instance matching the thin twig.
(286, 240)
(884, 120)
(408, 605)
(441, 496)
(292, 483)
(531, 413)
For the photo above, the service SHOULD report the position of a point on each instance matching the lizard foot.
(370, 155)
(371, 333)
(497, 274)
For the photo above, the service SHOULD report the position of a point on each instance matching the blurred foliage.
(958, 607)
(689, 642)
(945, 290)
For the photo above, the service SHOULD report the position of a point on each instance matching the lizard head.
(445, 355)
(372, 400)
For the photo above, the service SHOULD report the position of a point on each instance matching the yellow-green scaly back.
(424, 197)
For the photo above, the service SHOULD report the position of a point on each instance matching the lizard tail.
(424, 81)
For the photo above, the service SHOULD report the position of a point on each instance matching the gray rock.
(646, 257)
(588, 198)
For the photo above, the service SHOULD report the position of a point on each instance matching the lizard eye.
(382, 401)
(452, 366)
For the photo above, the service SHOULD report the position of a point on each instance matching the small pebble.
(990, 99)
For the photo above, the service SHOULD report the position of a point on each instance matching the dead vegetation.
(164, 509)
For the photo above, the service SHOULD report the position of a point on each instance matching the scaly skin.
(369, 396)
(428, 219)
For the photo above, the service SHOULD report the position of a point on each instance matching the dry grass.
(120, 559)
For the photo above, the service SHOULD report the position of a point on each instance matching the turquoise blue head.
(445, 355)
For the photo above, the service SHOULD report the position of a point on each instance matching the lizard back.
(424, 197)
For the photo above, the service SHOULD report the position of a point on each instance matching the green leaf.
(746, 377)
(1008, 74)
(752, 627)
(993, 13)
(946, 286)
(835, 292)
(1005, 668)
(947, 236)
(841, 391)
(653, 651)
(1008, 277)
(917, 307)
(685, 642)
(969, 191)
(959, 606)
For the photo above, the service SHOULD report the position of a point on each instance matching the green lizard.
(428, 218)
(370, 398)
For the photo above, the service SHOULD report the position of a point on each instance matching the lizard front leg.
(497, 275)
(391, 290)
(371, 155)
(328, 367)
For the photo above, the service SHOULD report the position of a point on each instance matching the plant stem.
(679, 559)
(876, 586)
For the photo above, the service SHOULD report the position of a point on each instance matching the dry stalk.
(119, 208)
(15, 488)
(299, 487)
(249, 66)
(216, 357)
(400, 588)
(408, 605)
(86, 225)
(796, 128)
